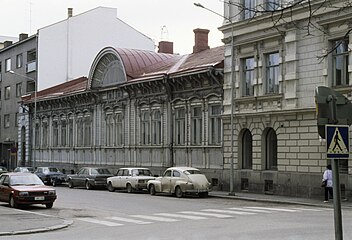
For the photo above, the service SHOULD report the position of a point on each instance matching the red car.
(25, 189)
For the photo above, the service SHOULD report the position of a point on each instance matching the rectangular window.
(70, 132)
(215, 125)
(80, 132)
(119, 130)
(31, 61)
(18, 89)
(19, 60)
(0, 72)
(249, 8)
(272, 5)
(109, 130)
(248, 75)
(6, 120)
(340, 63)
(63, 132)
(16, 119)
(196, 125)
(45, 134)
(7, 92)
(8, 65)
(272, 73)
(36, 135)
(156, 128)
(180, 126)
(87, 131)
(145, 123)
(55, 134)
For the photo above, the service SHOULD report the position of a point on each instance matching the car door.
(4, 188)
(176, 176)
(165, 181)
(117, 179)
(39, 173)
(124, 178)
(79, 178)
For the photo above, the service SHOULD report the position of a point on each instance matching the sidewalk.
(279, 199)
(17, 221)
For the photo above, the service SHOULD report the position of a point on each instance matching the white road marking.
(207, 214)
(128, 220)
(273, 209)
(308, 209)
(155, 218)
(181, 216)
(228, 211)
(251, 210)
(106, 223)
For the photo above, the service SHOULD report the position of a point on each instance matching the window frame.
(7, 92)
(342, 42)
(248, 71)
(19, 60)
(269, 69)
(8, 64)
(180, 126)
(247, 149)
(215, 124)
(6, 120)
(196, 125)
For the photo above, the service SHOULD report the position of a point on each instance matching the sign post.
(337, 147)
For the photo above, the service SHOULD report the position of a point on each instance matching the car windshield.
(192, 171)
(25, 180)
(100, 171)
(53, 170)
(141, 172)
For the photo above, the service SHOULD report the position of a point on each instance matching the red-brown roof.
(63, 89)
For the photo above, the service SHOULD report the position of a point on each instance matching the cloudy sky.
(171, 20)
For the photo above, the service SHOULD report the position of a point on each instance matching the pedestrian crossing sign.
(337, 141)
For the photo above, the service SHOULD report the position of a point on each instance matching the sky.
(168, 20)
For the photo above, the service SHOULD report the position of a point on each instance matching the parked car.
(25, 189)
(24, 169)
(3, 170)
(89, 177)
(131, 179)
(180, 181)
(50, 175)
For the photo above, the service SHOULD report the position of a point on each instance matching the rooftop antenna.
(164, 33)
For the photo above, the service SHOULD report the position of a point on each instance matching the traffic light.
(332, 108)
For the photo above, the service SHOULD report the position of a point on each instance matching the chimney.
(23, 36)
(200, 40)
(166, 47)
(7, 43)
(69, 12)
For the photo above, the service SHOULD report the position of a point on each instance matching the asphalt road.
(99, 214)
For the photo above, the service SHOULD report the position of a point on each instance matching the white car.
(180, 181)
(130, 178)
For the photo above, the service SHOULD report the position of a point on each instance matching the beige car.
(180, 181)
(131, 179)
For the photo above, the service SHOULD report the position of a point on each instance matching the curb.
(65, 224)
(277, 201)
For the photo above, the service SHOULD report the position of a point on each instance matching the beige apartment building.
(280, 54)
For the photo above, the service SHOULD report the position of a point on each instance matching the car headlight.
(52, 192)
(23, 194)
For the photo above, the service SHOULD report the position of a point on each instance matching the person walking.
(327, 176)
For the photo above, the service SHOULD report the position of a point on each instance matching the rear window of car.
(53, 170)
(190, 172)
(141, 172)
(100, 171)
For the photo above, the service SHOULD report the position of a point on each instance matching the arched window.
(271, 150)
(247, 152)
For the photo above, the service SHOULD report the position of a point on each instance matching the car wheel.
(110, 187)
(54, 182)
(152, 189)
(203, 194)
(88, 185)
(70, 183)
(12, 202)
(49, 205)
(178, 192)
(129, 188)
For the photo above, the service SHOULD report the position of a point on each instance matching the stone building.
(272, 75)
(136, 108)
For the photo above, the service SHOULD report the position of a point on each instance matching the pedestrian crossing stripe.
(337, 141)
(202, 214)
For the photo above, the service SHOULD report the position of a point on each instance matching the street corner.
(19, 221)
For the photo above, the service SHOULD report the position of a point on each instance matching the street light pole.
(232, 77)
(34, 114)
